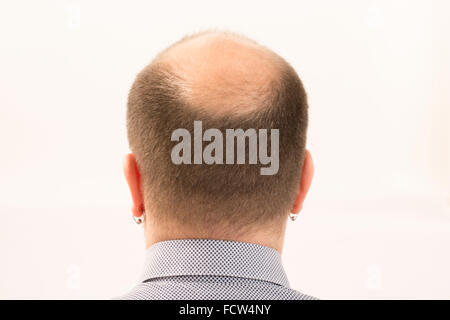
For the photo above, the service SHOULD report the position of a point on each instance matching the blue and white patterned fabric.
(203, 269)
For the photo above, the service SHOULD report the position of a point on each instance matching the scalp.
(223, 72)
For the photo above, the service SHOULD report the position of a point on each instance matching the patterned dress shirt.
(203, 269)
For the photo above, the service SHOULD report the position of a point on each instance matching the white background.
(377, 221)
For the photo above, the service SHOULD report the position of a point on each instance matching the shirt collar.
(214, 258)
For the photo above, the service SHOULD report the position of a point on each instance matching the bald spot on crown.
(223, 73)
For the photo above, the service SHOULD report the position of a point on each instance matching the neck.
(271, 236)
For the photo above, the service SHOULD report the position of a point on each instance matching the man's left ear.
(133, 177)
(305, 182)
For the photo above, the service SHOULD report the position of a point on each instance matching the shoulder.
(211, 291)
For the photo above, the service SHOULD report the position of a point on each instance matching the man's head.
(227, 82)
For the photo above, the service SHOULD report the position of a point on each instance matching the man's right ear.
(133, 177)
(305, 182)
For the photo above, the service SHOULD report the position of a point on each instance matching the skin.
(206, 65)
(234, 73)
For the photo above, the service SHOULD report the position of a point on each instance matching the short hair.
(215, 195)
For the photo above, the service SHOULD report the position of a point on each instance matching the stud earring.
(293, 216)
(140, 219)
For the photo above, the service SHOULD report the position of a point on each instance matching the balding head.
(227, 82)
(223, 72)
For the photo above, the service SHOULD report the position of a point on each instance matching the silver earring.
(140, 219)
(293, 216)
